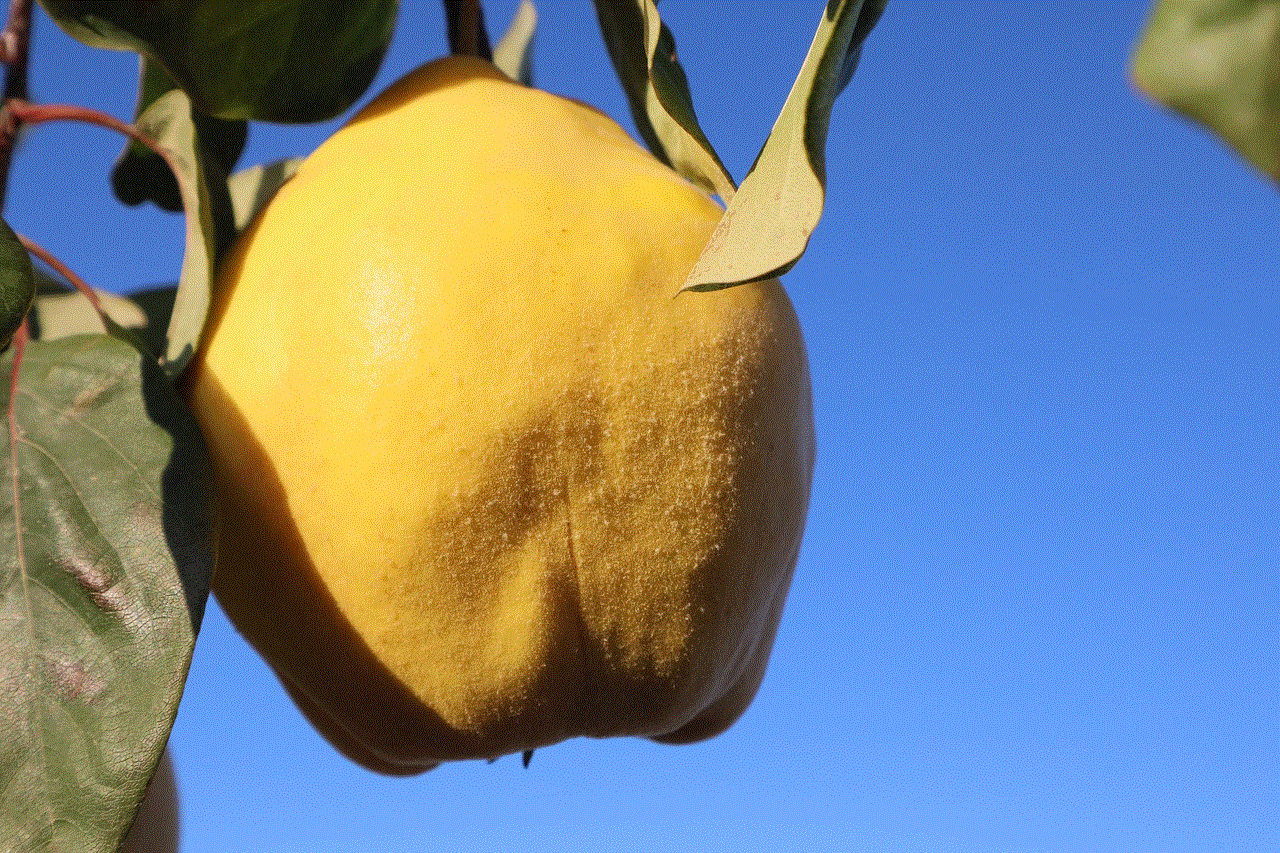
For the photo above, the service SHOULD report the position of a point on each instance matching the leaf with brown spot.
(105, 559)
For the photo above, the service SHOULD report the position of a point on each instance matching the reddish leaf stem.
(19, 347)
(29, 113)
(65, 271)
(14, 41)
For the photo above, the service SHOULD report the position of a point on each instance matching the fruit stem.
(464, 20)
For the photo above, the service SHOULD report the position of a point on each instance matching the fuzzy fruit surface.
(485, 481)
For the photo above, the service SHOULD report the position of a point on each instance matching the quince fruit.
(486, 482)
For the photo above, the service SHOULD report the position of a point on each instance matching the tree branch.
(14, 41)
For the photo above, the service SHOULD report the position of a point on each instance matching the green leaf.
(271, 60)
(17, 283)
(514, 53)
(644, 54)
(768, 223)
(210, 224)
(252, 188)
(141, 175)
(105, 519)
(1218, 63)
(58, 313)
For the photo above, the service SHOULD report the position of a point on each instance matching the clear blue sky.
(1036, 608)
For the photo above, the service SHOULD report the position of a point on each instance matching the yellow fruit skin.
(486, 482)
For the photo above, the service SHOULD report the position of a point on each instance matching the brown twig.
(14, 40)
(13, 48)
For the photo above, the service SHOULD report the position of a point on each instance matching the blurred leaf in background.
(1218, 63)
